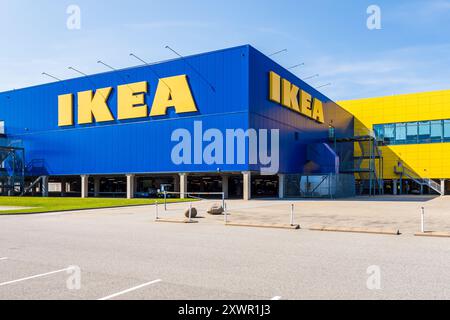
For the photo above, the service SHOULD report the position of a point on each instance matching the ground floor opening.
(233, 185)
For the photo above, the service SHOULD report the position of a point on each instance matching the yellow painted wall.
(426, 160)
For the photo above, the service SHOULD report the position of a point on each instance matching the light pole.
(278, 52)
(324, 85)
(296, 66)
(311, 77)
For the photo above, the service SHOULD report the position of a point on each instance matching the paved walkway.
(401, 213)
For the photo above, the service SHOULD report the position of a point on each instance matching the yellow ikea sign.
(290, 96)
(171, 92)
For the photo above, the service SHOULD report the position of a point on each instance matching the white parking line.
(4, 258)
(130, 290)
(34, 277)
(276, 298)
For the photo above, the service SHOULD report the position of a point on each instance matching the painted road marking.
(34, 277)
(130, 290)
(4, 258)
(276, 298)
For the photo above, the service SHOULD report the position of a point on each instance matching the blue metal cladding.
(296, 131)
(238, 99)
(133, 146)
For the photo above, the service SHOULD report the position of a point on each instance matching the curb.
(433, 234)
(357, 230)
(185, 221)
(262, 225)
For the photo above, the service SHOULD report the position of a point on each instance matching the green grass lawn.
(42, 205)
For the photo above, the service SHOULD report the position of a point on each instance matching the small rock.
(216, 210)
(193, 214)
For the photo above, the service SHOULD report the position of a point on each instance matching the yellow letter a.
(173, 92)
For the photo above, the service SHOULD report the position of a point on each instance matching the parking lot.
(123, 254)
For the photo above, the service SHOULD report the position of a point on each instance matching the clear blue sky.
(410, 53)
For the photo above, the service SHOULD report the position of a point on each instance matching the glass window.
(412, 132)
(424, 132)
(436, 131)
(400, 132)
(379, 131)
(389, 133)
(447, 130)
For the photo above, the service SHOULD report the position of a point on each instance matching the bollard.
(156, 210)
(292, 214)
(226, 213)
(423, 220)
(165, 200)
(223, 201)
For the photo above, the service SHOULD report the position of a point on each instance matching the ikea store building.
(231, 121)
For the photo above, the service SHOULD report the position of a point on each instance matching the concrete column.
(183, 185)
(176, 183)
(96, 187)
(394, 187)
(63, 187)
(131, 186)
(84, 186)
(10, 190)
(281, 186)
(247, 185)
(443, 187)
(44, 183)
(225, 180)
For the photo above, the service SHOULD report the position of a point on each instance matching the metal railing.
(404, 171)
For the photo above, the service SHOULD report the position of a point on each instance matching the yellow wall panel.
(426, 160)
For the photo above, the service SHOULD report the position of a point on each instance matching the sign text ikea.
(289, 95)
(171, 92)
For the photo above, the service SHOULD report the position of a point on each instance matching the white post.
(165, 200)
(443, 187)
(292, 214)
(183, 185)
(423, 220)
(247, 185)
(84, 186)
(226, 213)
(130, 186)
(223, 201)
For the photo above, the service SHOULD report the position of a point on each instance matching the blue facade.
(230, 88)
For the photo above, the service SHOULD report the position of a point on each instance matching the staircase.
(31, 186)
(403, 171)
(12, 171)
(361, 155)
